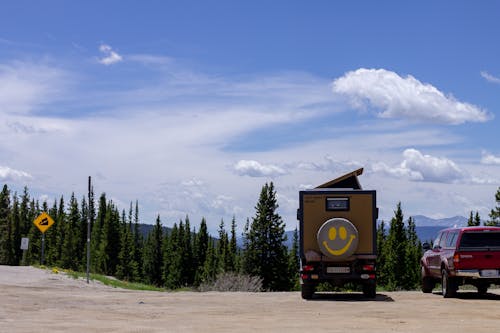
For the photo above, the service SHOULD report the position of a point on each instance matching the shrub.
(233, 282)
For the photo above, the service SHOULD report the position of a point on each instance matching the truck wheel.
(428, 283)
(370, 290)
(448, 285)
(307, 290)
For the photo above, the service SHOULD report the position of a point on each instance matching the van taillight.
(368, 267)
(307, 268)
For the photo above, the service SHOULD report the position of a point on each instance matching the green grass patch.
(106, 280)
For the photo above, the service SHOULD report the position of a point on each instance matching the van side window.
(451, 240)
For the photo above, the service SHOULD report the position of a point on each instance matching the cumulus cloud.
(8, 174)
(110, 56)
(404, 97)
(419, 167)
(255, 169)
(490, 158)
(490, 78)
(329, 163)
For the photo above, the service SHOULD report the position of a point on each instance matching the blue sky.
(190, 107)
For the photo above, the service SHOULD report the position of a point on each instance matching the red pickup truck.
(468, 255)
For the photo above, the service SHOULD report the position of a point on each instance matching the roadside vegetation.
(186, 257)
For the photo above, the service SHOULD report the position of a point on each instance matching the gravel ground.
(35, 300)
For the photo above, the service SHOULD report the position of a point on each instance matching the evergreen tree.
(187, 255)
(232, 262)
(172, 266)
(210, 268)
(495, 212)
(6, 254)
(97, 257)
(222, 249)
(153, 255)
(70, 253)
(24, 213)
(470, 221)
(413, 254)
(382, 272)
(202, 240)
(138, 240)
(127, 266)
(266, 256)
(110, 240)
(396, 251)
(16, 232)
(293, 262)
(474, 221)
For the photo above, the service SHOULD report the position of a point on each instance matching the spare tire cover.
(338, 238)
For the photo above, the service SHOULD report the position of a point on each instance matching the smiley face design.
(338, 238)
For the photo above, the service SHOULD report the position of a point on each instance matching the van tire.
(307, 290)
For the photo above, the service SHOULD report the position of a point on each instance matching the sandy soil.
(34, 300)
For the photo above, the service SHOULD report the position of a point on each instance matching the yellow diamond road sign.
(43, 222)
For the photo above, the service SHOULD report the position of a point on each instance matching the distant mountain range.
(426, 228)
(424, 221)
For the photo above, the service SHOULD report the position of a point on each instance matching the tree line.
(185, 255)
(182, 256)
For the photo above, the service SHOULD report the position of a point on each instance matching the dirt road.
(34, 300)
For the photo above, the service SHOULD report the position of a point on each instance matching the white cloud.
(255, 169)
(25, 87)
(110, 56)
(8, 174)
(490, 78)
(399, 97)
(419, 167)
(490, 158)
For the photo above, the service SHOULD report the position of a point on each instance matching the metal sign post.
(43, 249)
(43, 222)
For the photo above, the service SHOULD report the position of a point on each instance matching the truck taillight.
(456, 260)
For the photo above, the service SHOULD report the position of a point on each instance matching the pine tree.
(396, 251)
(470, 221)
(187, 255)
(153, 255)
(266, 256)
(127, 266)
(70, 253)
(293, 262)
(97, 257)
(222, 249)
(16, 232)
(233, 249)
(24, 218)
(138, 241)
(382, 273)
(110, 240)
(6, 254)
(172, 265)
(495, 212)
(210, 266)
(202, 240)
(413, 254)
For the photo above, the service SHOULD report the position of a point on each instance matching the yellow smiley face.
(338, 238)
